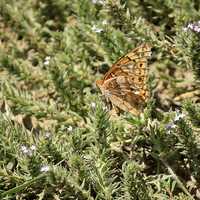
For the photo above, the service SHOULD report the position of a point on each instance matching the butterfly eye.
(103, 68)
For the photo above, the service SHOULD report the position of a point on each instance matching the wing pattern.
(125, 84)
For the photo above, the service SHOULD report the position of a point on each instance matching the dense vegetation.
(57, 139)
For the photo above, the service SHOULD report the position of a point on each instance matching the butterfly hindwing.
(124, 95)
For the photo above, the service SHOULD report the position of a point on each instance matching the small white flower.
(93, 104)
(104, 22)
(102, 2)
(44, 168)
(196, 28)
(48, 135)
(33, 147)
(70, 128)
(191, 26)
(178, 116)
(24, 149)
(47, 60)
(105, 108)
(185, 28)
(96, 29)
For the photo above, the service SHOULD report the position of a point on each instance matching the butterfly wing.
(132, 63)
(123, 93)
(125, 83)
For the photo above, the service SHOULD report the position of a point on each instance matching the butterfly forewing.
(125, 83)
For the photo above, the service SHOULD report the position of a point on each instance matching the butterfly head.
(104, 90)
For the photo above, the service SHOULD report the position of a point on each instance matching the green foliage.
(57, 137)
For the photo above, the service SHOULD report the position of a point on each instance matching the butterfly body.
(124, 85)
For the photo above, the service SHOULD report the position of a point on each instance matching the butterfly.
(125, 84)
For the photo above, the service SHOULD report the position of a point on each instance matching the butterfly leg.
(115, 110)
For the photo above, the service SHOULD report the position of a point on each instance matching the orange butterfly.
(124, 85)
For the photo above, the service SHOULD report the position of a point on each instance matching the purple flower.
(193, 26)
(170, 126)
